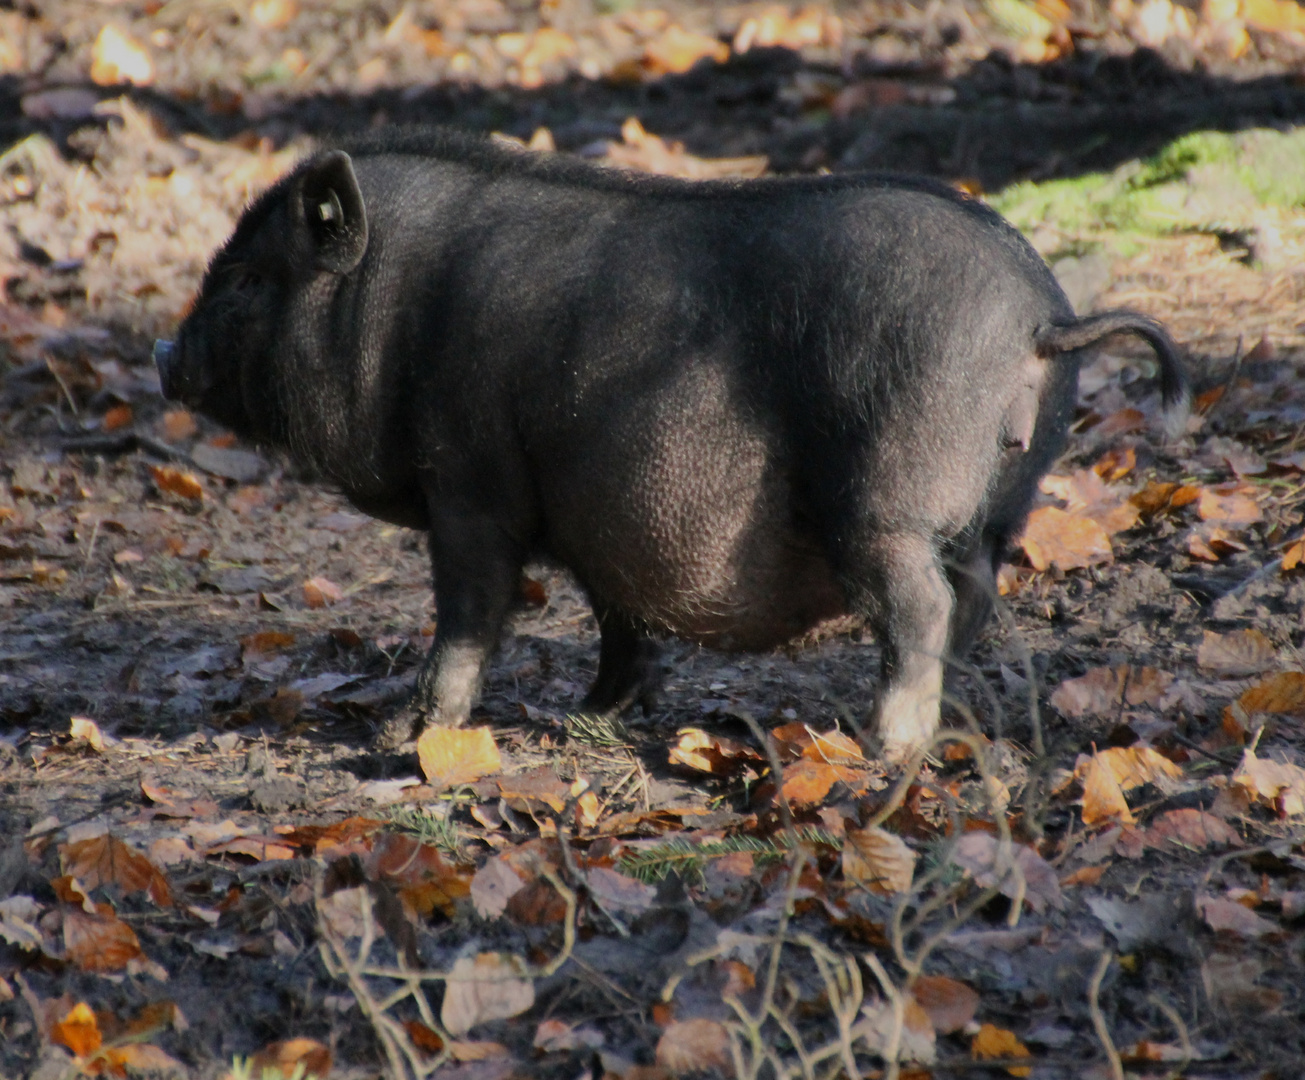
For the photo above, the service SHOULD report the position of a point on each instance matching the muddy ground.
(236, 633)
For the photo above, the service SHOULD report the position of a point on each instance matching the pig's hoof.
(399, 730)
(907, 720)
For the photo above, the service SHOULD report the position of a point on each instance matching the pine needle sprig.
(688, 859)
(597, 730)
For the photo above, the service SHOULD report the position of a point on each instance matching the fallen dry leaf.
(647, 153)
(1102, 691)
(177, 482)
(424, 878)
(1220, 914)
(1086, 494)
(1158, 497)
(1242, 652)
(1293, 556)
(1228, 507)
(950, 1004)
(273, 14)
(713, 754)
(677, 50)
(106, 860)
(489, 986)
(99, 942)
(86, 729)
(282, 1059)
(1055, 537)
(995, 1042)
(117, 58)
(1102, 798)
(775, 27)
(493, 886)
(1133, 766)
(1278, 784)
(320, 591)
(1192, 829)
(991, 863)
(78, 1031)
(916, 1038)
(877, 860)
(451, 757)
(120, 416)
(1283, 694)
(179, 425)
(689, 1046)
(807, 782)
(1210, 543)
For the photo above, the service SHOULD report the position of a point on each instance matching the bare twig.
(1099, 1020)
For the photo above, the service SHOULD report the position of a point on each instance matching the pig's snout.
(165, 355)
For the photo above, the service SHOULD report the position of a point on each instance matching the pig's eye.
(243, 279)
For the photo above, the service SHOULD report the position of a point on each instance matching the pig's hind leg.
(629, 665)
(897, 582)
(477, 571)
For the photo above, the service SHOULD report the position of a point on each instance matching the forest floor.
(203, 868)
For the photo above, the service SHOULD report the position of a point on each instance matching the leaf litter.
(200, 645)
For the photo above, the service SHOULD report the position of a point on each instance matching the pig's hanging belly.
(677, 513)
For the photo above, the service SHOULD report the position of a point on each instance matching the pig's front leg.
(477, 569)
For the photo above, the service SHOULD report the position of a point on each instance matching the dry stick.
(890, 1052)
(1171, 1014)
(1098, 1020)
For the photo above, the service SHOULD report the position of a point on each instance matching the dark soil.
(126, 602)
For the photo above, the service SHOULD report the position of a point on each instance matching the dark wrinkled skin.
(732, 410)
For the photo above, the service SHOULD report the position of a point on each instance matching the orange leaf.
(106, 860)
(677, 50)
(995, 1042)
(1276, 783)
(1133, 766)
(1232, 508)
(424, 879)
(1085, 875)
(1115, 464)
(282, 1057)
(1054, 537)
(320, 591)
(1282, 693)
(178, 425)
(1102, 798)
(1293, 556)
(1101, 691)
(116, 58)
(450, 757)
(266, 643)
(120, 416)
(950, 1005)
(877, 860)
(711, 753)
(83, 727)
(694, 1046)
(489, 986)
(1210, 543)
(423, 1038)
(806, 782)
(176, 482)
(78, 1031)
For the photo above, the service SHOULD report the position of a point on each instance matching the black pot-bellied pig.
(731, 409)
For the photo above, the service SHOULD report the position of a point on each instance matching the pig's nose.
(164, 353)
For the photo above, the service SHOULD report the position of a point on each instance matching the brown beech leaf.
(647, 153)
(1192, 829)
(1086, 494)
(713, 754)
(1055, 537)
(1115, 464)
(950, 1004)
(424, 878)
(451, 757)
(1274, 783)
(106, 860)
(117, 58)
(1133, 766)
(177, 482)
(981, 855)
(120, 416)
(83, 727)
(1210, 543)
(493, 886)
(282, 1058)
(807, 782)
(995, 1042)
(1220, 914)
(1283, 693)
(1294, 556)
(877, 860)
(691, 1046)
(320, 591)
(489, 986)
(100, 942)
(1158, 497)
(1102, 798)
(1242, 652)
(1228, 507)
(265, 644)
(1102, 690)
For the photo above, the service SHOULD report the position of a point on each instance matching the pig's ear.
(334, 213)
